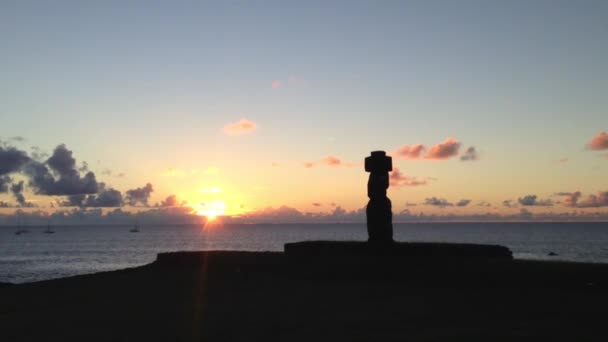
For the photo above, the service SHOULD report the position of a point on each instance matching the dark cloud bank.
(283, 215)
(60, 176)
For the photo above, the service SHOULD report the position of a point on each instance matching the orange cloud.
(398, 179)
(409, 152)
(449, 148)
(445, 150)
(335, 161)
(243, 126)
(599, 142)
(332, 161)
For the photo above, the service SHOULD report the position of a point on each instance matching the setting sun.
(210, 209)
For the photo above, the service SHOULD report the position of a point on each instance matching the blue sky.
(140, 87)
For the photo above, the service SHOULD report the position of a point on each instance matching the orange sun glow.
(210, 209)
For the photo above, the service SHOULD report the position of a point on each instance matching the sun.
(211, 210)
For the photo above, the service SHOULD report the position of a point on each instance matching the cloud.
(445, 150)
(595, 201)
(449, 148)
(285, 214)
(509, 204)
(335, 161)
(409, 152)
(11, 160)
(331, 161)
(470, 154)
(398, 179)
(571, 198)
(38, 154)
(409, 204)
(531, 200)
(17, 191)
(463, 202)
(61, 177)
(438, 202)
(317, 204)
(485, 204)
(276, 84)
(106, 198)
(139, 195)
(4, 182)
(241, 127)
(599, 142)
(170, 201)
(561, 161)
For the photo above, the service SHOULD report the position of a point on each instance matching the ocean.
(73, 250)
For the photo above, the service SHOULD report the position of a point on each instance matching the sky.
(244, 108)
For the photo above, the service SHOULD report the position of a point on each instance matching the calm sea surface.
(34, 256)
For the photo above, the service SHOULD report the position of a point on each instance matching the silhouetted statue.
(379, 214)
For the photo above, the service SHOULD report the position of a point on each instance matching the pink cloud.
(599, 142)
(331, 161)
(561, 161)
(445, 150)
(595, 201)
(243, 126)
(276, 84)
(398, 179)
(409, 152)
(571, 198)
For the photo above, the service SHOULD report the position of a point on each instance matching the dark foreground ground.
(243, 296)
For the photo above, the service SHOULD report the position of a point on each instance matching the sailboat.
(20, 230)
(135, 228)
(48, 228)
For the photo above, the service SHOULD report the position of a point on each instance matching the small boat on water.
(20, 229)
(135, 228)
(48, 229)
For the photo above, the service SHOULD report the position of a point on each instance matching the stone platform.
(328, 249)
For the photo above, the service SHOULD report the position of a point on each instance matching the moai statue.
(379, 214)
